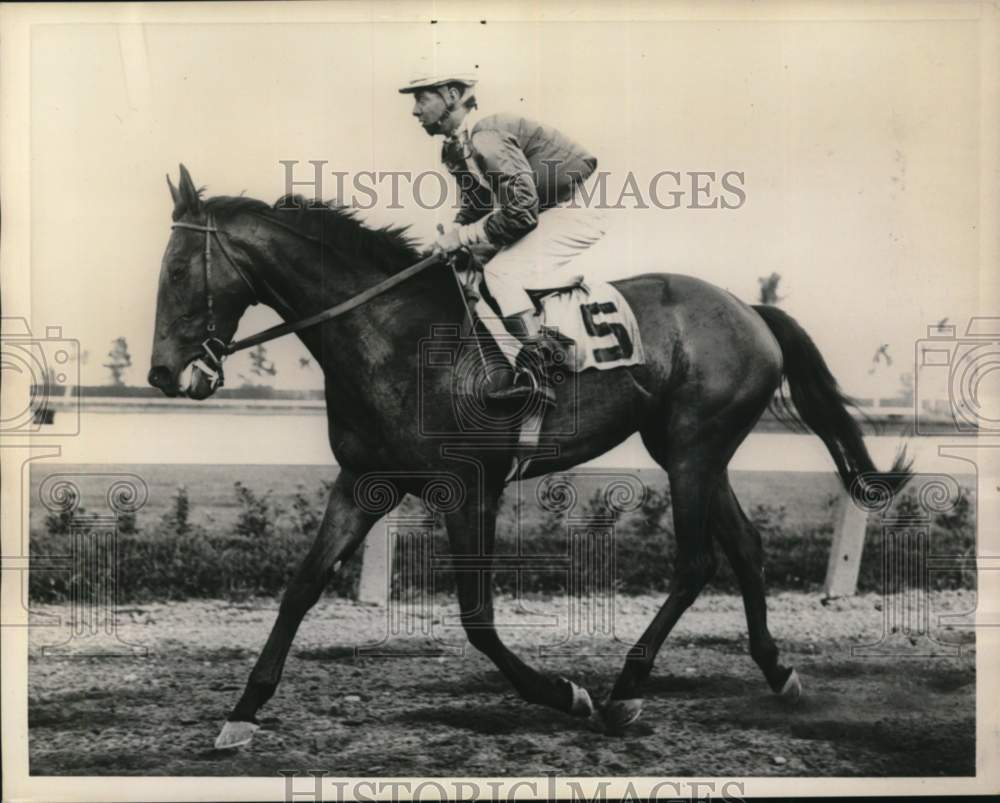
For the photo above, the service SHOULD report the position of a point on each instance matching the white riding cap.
(425, 81)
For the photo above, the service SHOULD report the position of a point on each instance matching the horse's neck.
(300, 280)
(378, 342)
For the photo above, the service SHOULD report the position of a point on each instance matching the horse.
(713, 365)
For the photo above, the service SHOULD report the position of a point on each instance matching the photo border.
(16, 22)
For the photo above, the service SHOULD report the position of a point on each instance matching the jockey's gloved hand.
(447, 242)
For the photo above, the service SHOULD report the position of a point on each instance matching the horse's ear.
(175, 196)
(187, 199)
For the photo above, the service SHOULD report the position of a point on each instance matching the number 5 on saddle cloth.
(583, 325)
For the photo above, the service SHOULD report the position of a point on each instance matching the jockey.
(517, 182)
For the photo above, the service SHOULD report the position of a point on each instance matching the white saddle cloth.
(600, 323)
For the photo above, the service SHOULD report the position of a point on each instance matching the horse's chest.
(379, 447)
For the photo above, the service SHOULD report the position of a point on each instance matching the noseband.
(215, 350)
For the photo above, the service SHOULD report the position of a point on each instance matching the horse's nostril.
(159, 376)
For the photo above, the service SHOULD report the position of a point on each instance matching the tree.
(260, 365)
(906, 388)
(769, 289)
(118, 360)
(881, 356)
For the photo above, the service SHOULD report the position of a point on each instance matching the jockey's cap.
(425, 81)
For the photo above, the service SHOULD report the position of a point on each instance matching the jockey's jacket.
(509, 169)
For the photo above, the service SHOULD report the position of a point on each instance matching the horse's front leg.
(344, 527)
(471, 533)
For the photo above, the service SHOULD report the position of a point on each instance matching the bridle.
(210, 362)
(215, 351)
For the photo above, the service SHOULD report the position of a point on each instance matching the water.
(209, 436)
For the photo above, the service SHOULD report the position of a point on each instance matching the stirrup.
(517, 391)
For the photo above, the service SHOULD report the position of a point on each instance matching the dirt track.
(708, 710)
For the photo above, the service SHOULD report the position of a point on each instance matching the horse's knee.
(299, 597)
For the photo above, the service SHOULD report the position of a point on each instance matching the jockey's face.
(431, 110)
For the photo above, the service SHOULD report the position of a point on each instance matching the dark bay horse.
(713, 366)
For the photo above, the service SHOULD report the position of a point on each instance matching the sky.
(858, 142)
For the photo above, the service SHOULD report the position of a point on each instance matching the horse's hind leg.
(471, 532)
(742, 545)
(344, 526)
(693, 479)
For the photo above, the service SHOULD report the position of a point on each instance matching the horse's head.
(202, 295)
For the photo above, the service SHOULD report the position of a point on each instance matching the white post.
(373, 586)
(844, 564)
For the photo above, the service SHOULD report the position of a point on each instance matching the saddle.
(538, 295)
(583, 326)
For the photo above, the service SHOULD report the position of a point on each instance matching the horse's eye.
(176, 273)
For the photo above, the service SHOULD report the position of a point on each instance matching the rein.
(211, 362)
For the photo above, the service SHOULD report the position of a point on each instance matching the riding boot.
(529, 379)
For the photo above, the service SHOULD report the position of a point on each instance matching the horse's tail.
(822, 406)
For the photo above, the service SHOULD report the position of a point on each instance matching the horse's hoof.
(581, 704)
(619, 714)
(792, 690)
(235, 734)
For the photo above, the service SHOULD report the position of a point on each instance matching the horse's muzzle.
(162, 379)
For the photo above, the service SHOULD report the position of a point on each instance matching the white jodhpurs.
(544, 256)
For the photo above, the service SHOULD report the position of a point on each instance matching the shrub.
(307, 515)
(553, 509)
(951, 535)
(257, 514)
(597, 509)
(58, 522)
(179, 515)
(767, 517)
(177, 558)
(649, 521)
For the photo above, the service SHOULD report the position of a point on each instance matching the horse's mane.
(327, 221)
